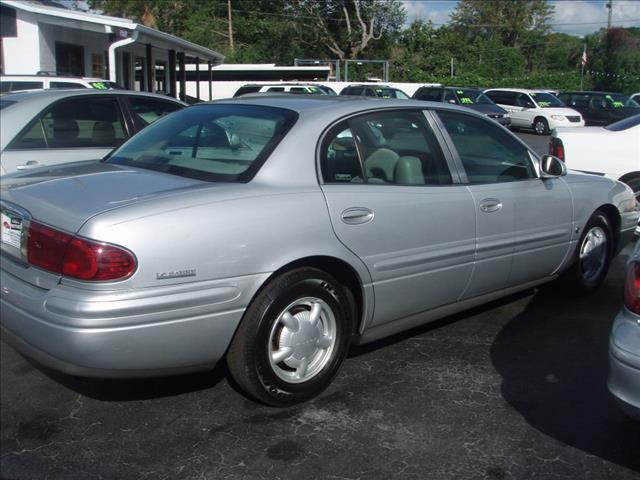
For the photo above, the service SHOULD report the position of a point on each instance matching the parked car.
(624, 344)
(600, 108)
(381, 91)
(48, 127)
(14, 83)
(301, 88)
(534, 109)
(467, 97)
(612, 151)
(275, 231)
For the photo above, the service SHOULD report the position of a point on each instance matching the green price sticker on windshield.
(99, 86)
(544, 104)
(466, 100)
(618, 104)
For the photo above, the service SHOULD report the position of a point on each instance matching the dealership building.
(38, 37)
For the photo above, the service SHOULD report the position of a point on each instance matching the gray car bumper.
(624, 362)
(105, 334)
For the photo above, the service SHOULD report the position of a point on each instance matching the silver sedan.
(276, 231)
(624, 344)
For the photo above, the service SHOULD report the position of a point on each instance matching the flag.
(584, 55)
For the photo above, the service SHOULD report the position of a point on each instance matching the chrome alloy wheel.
(302, 340)
(540, 127)
(593, 253)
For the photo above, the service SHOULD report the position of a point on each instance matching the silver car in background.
(49, 127)
(275, 231)
(624, 343)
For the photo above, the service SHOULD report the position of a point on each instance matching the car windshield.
(223, 142)
(390, 93)
(546, 100)
(624, 124)
(618, 100)
(468, 96)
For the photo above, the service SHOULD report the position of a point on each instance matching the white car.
(612, 151)
(536, 109)
(18, 83)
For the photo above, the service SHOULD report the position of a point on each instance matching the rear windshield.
(226, 143)
(468, 96)
(546, 100)
(624, 124)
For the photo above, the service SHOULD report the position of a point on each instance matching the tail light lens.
(556, 148)
(632, 288)
(76, 257)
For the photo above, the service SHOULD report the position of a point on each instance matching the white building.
(36, 37)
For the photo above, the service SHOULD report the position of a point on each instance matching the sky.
(575, 17)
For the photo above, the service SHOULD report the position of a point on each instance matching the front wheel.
(292, 338)
(593, 256)
(541, 126)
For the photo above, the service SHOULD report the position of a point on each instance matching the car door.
(73, 129)
(394, 202)
(523, 222)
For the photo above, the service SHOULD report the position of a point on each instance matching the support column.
(198, 78)
(182, 76)
(171, 75)
(150, 69)
(210, 81)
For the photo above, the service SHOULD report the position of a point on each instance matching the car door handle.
(489, 205)
(28, 165)
(357, 215)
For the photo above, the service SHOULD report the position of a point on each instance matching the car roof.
(52, 77)
(332, 106)
(517, 90)
(46, 96)
(589, 92)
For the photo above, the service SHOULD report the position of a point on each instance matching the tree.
(347, 27)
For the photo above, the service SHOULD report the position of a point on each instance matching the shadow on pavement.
(123, 390)
(553, 358)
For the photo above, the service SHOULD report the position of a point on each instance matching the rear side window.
(148, 110)
(395, 147)
(276, 89)
(76, 123)
(247, 89)
(221, 142)
(429, 94)
(504, 98)
(66, 85)
(22, 85)
(488, 153)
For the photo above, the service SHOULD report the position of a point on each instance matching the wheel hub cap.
(302, 340)
(593, 253)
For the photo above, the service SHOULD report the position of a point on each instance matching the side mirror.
(552, 167)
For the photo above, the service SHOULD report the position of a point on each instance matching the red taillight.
(632, 288)
(75, 257)
(556, 148)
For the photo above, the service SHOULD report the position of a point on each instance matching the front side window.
(24, 85)
(84, 122)
(488, 153)
(221, 142)
(429, 94)
(525, 101)
(395, 147)
(148, 110)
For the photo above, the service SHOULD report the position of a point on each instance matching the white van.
(536, 109)
(17, 83)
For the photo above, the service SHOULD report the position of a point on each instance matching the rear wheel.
(541, 126)
(593, 255)
(292, 338)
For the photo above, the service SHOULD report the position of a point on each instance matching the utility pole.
(451, 67)
(230, 26)
(610, 7)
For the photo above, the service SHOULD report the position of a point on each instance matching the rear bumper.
(624, 362)
(159, 331)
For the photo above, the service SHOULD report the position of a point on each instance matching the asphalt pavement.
(515, 389)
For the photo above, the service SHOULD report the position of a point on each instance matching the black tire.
(541, 126)
(634, 184)
(583, 277)
(251, 351)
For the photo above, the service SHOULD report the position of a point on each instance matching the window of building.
(70, 59)
(97, 65)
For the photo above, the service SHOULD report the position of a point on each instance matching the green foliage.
(491, 42)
